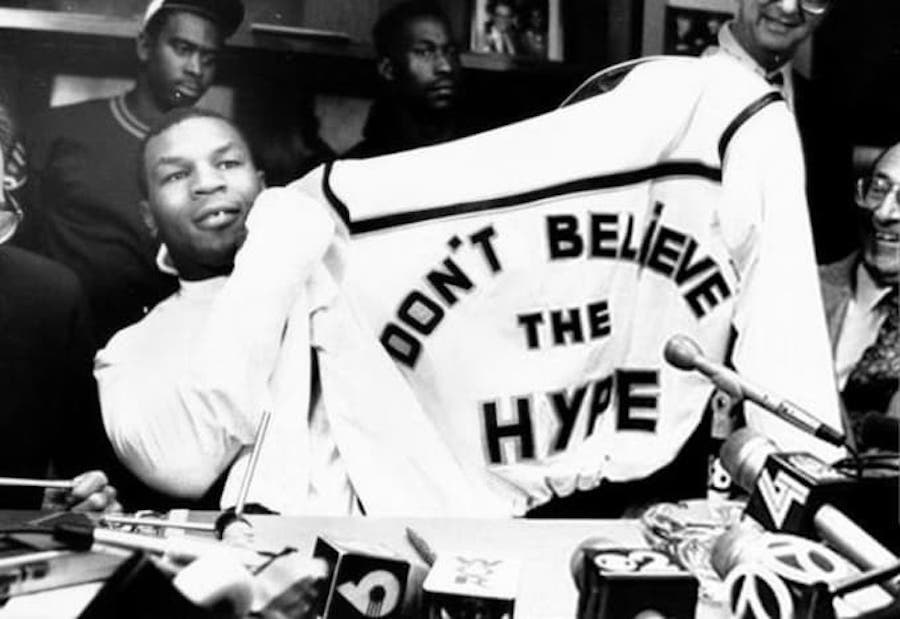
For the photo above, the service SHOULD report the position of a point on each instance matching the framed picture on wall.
(522, 28)
(690, 31)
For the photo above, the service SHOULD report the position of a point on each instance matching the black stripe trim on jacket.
(744, 116)
(336, 203)
(605, 181)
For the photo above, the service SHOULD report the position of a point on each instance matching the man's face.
(181, 60)
(881, 224)
(201, 183)
(426, 67)
(772, 30)
(503, 17)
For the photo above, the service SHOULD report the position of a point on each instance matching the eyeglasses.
(815, 7)
(872, 191)
(9, 221)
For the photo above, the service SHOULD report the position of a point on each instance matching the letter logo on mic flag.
(780, 493)
(377, 593)
(628, 582)
(466, 586)
(365, 580)
(640, 560)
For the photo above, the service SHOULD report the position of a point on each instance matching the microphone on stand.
(613, 581)
(784, 576)
(364, 580)
(798, 493)
(684, 353)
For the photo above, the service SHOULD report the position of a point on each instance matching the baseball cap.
(227, 13)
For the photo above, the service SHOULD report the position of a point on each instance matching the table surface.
(546, 589)
(544, 547)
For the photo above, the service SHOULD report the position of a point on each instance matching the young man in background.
(83, 209)
(421, 77)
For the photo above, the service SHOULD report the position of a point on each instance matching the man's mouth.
(216, 218)
(779, 26)
(443, 89)
(187, 91)
(884, 236)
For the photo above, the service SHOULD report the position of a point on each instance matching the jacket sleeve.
(180, 423)
(782, 341)
(175, 447)
(232, 370)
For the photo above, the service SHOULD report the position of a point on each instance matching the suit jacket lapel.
(837, 289)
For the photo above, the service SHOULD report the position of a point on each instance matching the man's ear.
(261, 175)
(386, 69)
(142, 46)
(147, 218)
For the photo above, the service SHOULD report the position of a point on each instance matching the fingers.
(92, 493)
(102, 501)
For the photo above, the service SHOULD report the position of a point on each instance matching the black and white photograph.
(531, 309)
(524, 28)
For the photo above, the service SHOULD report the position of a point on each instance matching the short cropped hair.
(388, 30)
(170, 119)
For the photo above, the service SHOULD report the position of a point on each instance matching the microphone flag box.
(366, 580)
(468, 586)
(624, 582)
(792, 485)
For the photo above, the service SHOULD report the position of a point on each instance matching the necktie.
(876, 376)
(776, 79)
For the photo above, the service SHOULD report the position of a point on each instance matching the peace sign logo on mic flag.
(803, 561)
(756, 592)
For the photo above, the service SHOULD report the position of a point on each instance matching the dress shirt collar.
(867, 293)
(730, 45)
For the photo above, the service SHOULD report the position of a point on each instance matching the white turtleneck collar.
(188, 288)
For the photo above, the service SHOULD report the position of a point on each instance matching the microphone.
(180, 549)
(364, 581)
(631, 582)
(684, 353)
(787, 576)
(797, 493)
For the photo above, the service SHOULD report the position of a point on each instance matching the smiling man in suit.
(860, 296)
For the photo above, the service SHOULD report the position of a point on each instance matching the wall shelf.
(315, 42)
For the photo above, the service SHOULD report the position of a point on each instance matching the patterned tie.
(776, 79)
(876, 376)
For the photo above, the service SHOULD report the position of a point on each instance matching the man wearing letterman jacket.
(183, 390)
(525, 281)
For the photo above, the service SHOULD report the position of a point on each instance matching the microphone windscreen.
(744, 455)
(682, 352)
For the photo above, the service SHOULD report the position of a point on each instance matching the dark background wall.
(857, 56)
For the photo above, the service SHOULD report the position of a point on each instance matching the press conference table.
(544, 547)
